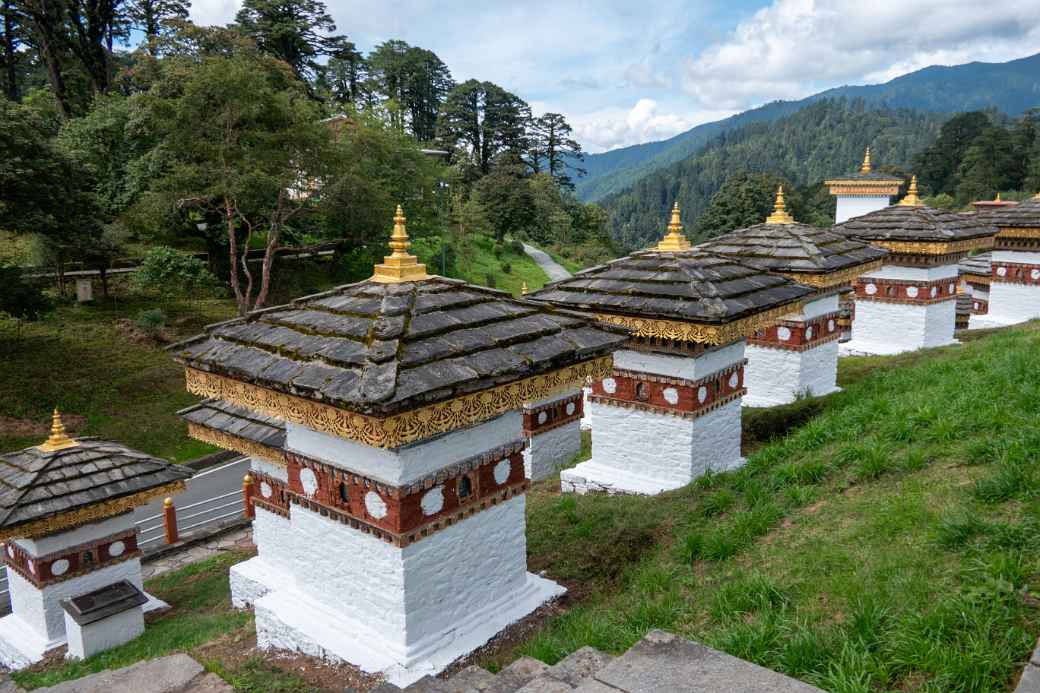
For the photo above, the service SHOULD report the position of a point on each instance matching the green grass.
(885, 539)
(479, 264)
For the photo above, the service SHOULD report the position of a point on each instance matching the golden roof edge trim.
(933, 247)
(699, 332)
(229, 441)
(826, 280)
(397, 429)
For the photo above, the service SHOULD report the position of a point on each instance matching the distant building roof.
(1024, 214)
(67, 482)
(865, 181)
(980, 265)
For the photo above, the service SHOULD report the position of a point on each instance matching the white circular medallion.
(116, 548)
(570, 408)
(783, 333)
(702, 394)
(1001, 271)
(32, 567)
(733, 379)
(542, 417)
(309, 481)
(871, 289)
(609, 386)
(808, 333)
(976, 306)
(502, 470)
(10, 551)
(671, 395)
(375, 505)
(951, 288)
(265, 489)
(59, 567)
(911, 291)
(830, 326)
(432, 501)
(935, 291)
(1035, 274)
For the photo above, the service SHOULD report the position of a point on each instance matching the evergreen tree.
(988, 166)
(12, 30)
(152, 17)
(552, 148)
(486, 120)
(427, 82)
(506, 197)
(345, 75)
(937, 166)
(745, 199)
(296, 31)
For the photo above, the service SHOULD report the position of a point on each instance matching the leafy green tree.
(507, 198)
(745, 199)
(20, 299)
(388, 78)
(169, 274)
(296, 31)
(485, 120)
(988, 166)
(246, 143)
(12, 38)
(153, 17)
(937, 166)
(553, 149)
(345, 77)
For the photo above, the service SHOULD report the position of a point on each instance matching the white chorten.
(862, 192)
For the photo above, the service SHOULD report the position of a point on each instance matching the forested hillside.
(822, 140)
(1010, 88)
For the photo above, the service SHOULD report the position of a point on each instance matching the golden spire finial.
(399, 266)
(779, 215)
(865, 168)
(674, 240)
(58, 439)
(997, 199)
(523, 289)
(911, 199)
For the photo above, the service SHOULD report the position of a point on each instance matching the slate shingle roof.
(237, 421)
(379, 348)
(981, 264)
(1025, 213)
(692, 285)
(915, 224)
(35, 484)
(794, 248)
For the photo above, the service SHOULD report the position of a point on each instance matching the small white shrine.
(910, 302)
(69, 537)
(798, 354)
(670, 410)
(385, 424)
(862, 192)
(1014, 289)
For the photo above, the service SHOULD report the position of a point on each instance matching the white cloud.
(793, 48)
(208, 12)
(644, 122)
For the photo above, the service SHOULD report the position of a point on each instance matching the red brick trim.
(550, 415)
(677, 396)
(278, 501)
(400, 509)
(798, 335)
(906, 291)
(82, 559)
(1016, 273)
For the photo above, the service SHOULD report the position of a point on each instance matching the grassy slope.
(480, 263)
(889, 543)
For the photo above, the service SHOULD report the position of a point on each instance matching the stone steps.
(659, 663)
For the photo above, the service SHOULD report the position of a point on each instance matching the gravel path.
(555, 270)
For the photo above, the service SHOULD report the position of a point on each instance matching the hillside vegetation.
(1009, 87)
(889, 543)
(824, 139)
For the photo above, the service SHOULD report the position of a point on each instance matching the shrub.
(516, 247)
(19, 299)
(170, 274)
(507, 268)
(151, 321)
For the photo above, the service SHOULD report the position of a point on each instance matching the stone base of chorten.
(780, 376)
(894, 328)
(345, 596)
(647, 453)
(21, 645)
(549, 451)
(1009, 304)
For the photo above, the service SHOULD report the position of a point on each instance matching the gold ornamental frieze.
(235, 443)
(398, 429)
(1032, 232)
(827, 280)
(700, 333)
(934, 247)
(90, 513)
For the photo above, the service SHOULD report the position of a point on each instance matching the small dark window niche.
(344, 493)
(465, 488)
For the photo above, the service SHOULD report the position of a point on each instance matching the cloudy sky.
(631, 71)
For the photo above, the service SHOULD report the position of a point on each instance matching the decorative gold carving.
(977, 278)
(934, 247)
(824, 280)
(779, 215)
(864, 187)
(236, 443)
(699, 332)
(398, 429)
(523, 289)
(911, 199)
(90, 513)
(1019, 232)
(58, 440)
(399, 266)
(674, 241)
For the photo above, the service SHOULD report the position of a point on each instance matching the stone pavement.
(177, 673)
(659, 663)
(240, 538)
(1030, 680)
(555, 270)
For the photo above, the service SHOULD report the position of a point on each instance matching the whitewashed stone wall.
(552, 450)
(680, 366)
(410, 462)
(277, 471)
(88, 640)
(779, 376)
(1012, 303)
(850, 206)
(43, 546)
(892, 328)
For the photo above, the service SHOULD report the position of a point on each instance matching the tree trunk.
(10, 56)
(233, 256)
(103, 271)
(44, 25)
